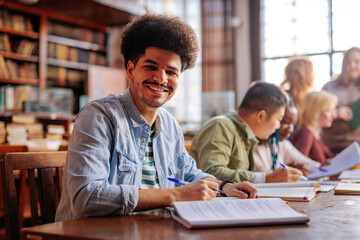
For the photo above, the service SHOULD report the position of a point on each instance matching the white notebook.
(289, 191)
(235, 212)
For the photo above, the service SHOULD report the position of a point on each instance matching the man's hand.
(240, 190)
(288, 174)
(200, 190)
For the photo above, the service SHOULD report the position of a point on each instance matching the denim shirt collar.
(136, 118)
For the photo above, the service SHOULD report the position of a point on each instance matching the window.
(186, 103)
(319, 29)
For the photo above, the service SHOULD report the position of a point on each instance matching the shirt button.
(146, 126)
(143, 141)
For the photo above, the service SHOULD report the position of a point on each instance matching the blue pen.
(183, 182)
(323, 170)
(303, 178)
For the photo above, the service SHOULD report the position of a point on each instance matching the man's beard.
(148, 103)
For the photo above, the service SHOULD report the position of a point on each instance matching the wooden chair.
(6, 149)
(44, 175)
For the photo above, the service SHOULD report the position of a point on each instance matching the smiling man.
(123, 148)
(224, 145)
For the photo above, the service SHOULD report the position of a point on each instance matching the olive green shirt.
(223, 147)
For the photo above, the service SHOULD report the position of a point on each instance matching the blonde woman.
(347, 88)
(317, 112)
(298, 79)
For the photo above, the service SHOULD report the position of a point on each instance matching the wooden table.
(331, 217)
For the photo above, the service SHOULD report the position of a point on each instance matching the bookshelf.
(53, 48)
(53, 44)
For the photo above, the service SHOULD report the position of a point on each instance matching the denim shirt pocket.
(127, 167)
(177, 168)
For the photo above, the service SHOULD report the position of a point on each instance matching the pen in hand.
(303, 178)
(184, 182)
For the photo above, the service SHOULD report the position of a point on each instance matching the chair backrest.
(44, 175)
(6, 149)
(13, 148)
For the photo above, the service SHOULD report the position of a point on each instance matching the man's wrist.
(222, 186)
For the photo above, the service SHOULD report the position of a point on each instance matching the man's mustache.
(161, 85)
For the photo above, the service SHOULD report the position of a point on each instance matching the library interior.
(272, 97)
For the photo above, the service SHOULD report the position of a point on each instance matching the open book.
(347, 158)
(235, 212)
(348, 187)
(289, 191)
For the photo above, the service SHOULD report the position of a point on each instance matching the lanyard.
(274, 155)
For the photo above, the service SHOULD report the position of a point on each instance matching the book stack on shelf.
(51, 47)
(71, 49)
(16, 134)
(15, 21)
(55, 132)
(35, 131)
(18, 48)
(2, 132)
(12, 98)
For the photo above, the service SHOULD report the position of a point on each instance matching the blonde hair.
(299, 78)
(313, 104)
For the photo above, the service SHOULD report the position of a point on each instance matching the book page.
(240, 209)
(350, 174)
(346, 159)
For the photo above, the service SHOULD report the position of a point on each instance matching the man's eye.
(150, 67)
(171, 73)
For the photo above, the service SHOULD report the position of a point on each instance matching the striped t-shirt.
(149, 178)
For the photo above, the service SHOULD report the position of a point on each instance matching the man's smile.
(157, 87)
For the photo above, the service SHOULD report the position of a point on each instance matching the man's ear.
(261, 116)
(130, 70)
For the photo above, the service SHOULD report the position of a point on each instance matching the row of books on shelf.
(27, 98)
(74, 32)
(15, 21)
(12, 69)
(63, 52)
(24, 129)
(62, 76)
(20, 46)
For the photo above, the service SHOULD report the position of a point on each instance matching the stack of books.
(2, 132)
(55, 132)
(16, 134)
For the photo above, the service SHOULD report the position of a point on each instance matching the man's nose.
(160, 76)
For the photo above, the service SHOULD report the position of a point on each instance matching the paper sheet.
(346, 159)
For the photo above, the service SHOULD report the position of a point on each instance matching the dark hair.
(263, 96)
(165, 32)
(343, 79)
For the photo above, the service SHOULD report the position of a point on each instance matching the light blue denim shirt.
(102, 174)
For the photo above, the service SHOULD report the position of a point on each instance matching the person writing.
(278, 149)
(318, 112)
(123, 148)
(224, 145)
(347, 88)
